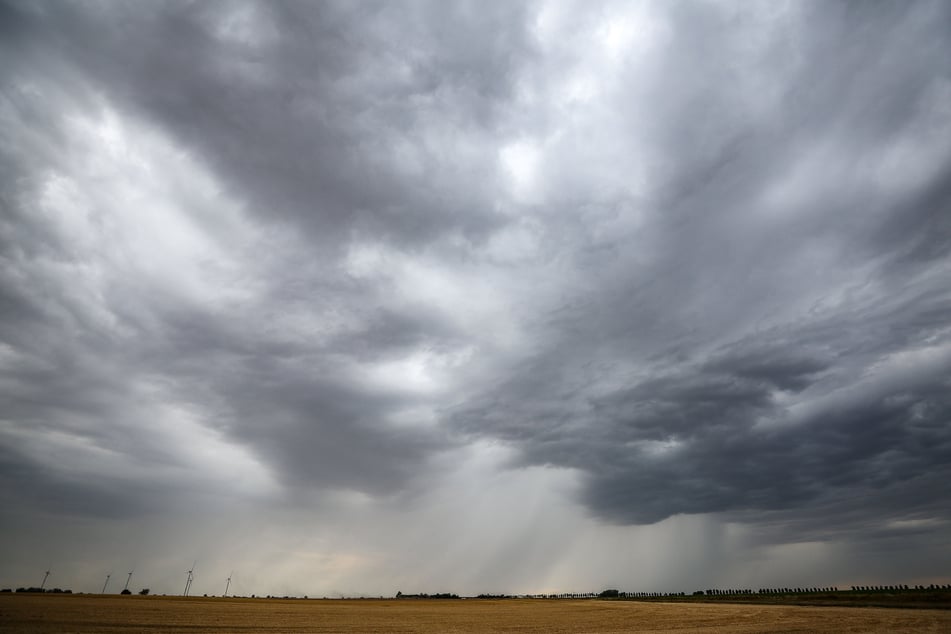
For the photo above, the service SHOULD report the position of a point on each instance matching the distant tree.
(126, 591)
(144, 591)
(609, 594)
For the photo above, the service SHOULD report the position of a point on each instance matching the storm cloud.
(542, 274)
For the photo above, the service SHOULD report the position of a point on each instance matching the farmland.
(98, 614)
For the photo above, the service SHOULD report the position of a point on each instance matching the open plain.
(96, 614)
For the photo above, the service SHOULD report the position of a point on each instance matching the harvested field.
(88, 614)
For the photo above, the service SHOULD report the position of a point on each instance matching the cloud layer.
(580, 269)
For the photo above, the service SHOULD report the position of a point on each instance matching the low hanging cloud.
(667, 259)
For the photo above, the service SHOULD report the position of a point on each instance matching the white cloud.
(522, 160)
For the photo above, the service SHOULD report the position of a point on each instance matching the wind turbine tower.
(228, 585)
(188, 580)
(45, 577)
(128, 579)
(106, 583)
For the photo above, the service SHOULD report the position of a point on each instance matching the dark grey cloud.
(326, 172)
(675, 374)
(672, 259)
(367, 111)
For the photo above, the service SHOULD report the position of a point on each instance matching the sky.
(351, 298)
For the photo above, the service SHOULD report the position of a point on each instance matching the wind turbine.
(188, 581)
(228, 585)
(128, 579)
(106, 583)
(45, 577)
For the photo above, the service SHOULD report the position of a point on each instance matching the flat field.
(88, 614)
